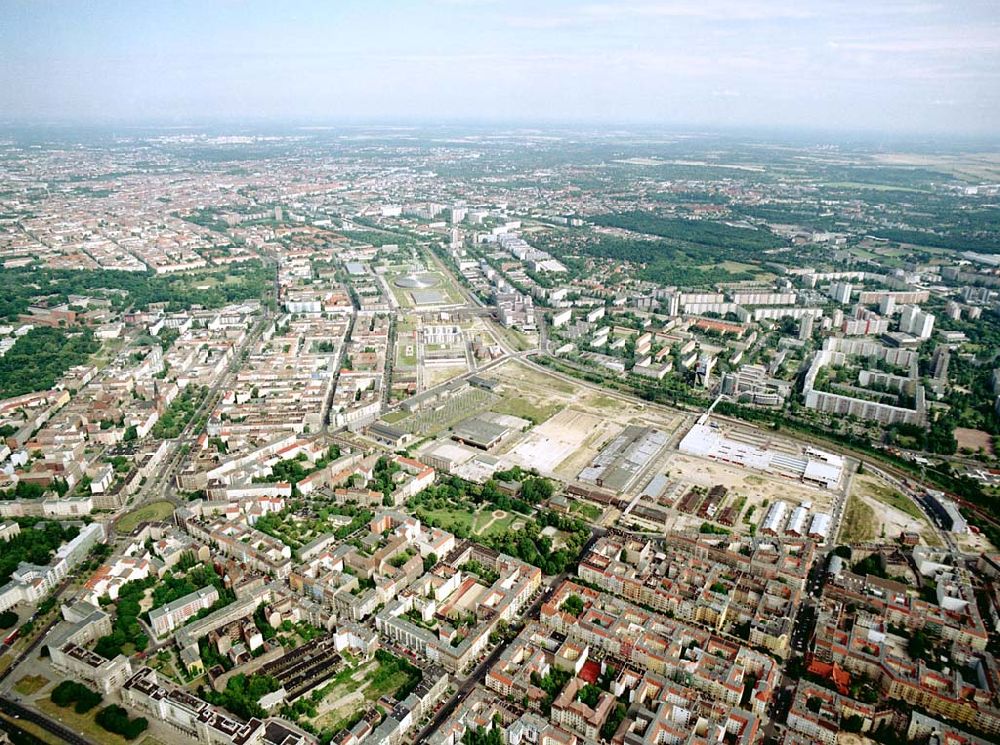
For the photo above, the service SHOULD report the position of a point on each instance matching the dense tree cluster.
(382, 476)
(527, 543)
(242, 694)
(702, 232)
(126, 628)
(573, 605)
(190, 578)
(552, 683)
(69, 692)
(482, 736)
(115, 719)
(39, 358)
(19, 287)
(531, 546)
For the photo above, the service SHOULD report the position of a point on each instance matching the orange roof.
(837, 675)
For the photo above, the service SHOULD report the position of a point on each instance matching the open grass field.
(516, 405)
(528, 378)
(147, 513)
(733, 267)
(859, 522)
(30, 684)
(482, 522)
(443, 373)
(492, 522)
(893, 498)
(406, 349)
(82, 723)
(862, 186)
(450, 518)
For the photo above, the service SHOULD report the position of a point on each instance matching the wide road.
(52, 727)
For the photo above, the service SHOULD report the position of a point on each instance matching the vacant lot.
(568, 433)
(757, 486)
(974, 439)
(147, 513)
(357, 688)
(891, 511)
(892, 497)
(587, 510)
(515, 405)
(859, 522)
(30, 684)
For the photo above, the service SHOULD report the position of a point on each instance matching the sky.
(889, 66)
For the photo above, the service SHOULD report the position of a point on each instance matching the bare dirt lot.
(702, 472)
(563, 444)
(573, 421)
(974, 439)
(755, 490)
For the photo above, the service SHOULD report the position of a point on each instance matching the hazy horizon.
(895, 68)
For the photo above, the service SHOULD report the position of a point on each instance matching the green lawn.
(30, 684)
(893, 498)
(499, 526)
(587, 510)
(521, 407)
(147, 513)
(449, 518)
(82, 723)
(395, 416)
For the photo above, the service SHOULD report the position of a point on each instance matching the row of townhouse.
(966, 691)
(821, 714)
(443, 597)
(485, 709)
(612, 626)
(237, 540)
(694, 589)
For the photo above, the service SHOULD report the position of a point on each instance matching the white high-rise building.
(917, 322)
(841, 292)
